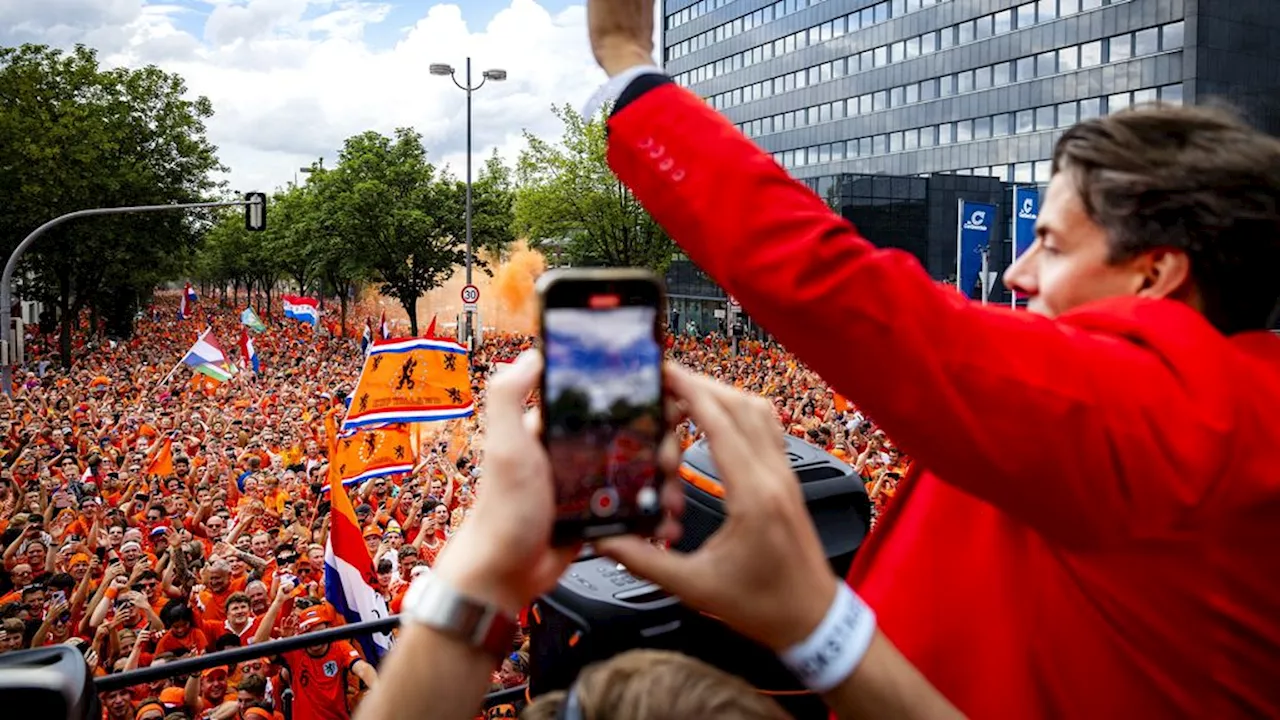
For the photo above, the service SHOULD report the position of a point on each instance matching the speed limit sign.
(470, 294)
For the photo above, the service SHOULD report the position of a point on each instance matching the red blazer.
(1100, 533)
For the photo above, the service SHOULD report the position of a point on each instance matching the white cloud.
(291, 79)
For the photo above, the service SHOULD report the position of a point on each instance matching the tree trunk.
(342, 312)
(411, 308)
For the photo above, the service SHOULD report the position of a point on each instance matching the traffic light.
(255, 211)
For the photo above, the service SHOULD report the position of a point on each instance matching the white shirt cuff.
(610, 91)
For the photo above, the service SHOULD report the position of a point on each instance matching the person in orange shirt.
(320, 673)
(182, 636)
(212, 599)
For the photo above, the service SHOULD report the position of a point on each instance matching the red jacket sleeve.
(1063, 424)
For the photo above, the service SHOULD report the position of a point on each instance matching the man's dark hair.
(1195, 179)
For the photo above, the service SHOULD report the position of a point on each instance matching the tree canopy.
(570, 205)
(74, 135)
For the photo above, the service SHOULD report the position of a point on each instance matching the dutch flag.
(349, 574)
(302, 309)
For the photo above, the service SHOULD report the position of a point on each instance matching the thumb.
(666, 568)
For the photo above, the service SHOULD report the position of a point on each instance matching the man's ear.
(1166, 273)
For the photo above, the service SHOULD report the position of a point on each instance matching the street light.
(495, 75)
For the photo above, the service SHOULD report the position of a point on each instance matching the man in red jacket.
(1095, 531)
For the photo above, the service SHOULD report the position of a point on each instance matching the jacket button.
(666, 165)
(657, 152)
(678, 175)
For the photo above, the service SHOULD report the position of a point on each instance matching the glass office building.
(893, 109)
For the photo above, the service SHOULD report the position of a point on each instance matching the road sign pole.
(6, 280)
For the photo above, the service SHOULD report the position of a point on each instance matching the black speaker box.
(598, 610)
(50, 683)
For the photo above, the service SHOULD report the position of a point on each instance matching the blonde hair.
(658, 685)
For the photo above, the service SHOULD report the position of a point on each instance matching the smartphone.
(601, 397)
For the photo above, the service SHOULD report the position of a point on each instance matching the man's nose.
(1020, 277)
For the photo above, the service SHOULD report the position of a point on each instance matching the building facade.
(893, 109)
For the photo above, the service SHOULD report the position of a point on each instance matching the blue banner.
(1026, 204)
(976, 225)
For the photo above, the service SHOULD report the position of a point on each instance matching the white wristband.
(836, 647)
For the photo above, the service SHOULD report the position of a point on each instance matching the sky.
(610, 354)
(291, 79)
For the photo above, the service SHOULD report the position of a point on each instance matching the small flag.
(207, 358)
(384, 331)
(431, 329)
(366, 338)
(162, 462)
(349, 579)
(248, 355)
(187, 303)
(302, 309)
(250, 319)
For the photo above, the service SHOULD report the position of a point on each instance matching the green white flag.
(250, 319)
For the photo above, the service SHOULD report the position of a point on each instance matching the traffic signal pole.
(6, 280)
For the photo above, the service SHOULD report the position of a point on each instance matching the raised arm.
(974, 393)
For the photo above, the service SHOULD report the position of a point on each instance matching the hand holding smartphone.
(602, 395)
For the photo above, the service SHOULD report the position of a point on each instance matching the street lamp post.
(496, 76)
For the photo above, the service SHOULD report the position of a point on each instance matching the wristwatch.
(432, 602)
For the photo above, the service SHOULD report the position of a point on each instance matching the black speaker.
(598, 610)
(50, 682)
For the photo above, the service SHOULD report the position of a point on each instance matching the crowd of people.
(139, 560)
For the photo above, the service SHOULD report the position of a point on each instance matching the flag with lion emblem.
(407, 380)
(369, 453)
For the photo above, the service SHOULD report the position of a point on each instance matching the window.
(824, 113)
(1026, 68)
(966, 31)
(1171, 36)
(1001, 172)
(964, 81)
(897, 52)
(946, 86)
(1046, 63)
(912, 93)
(911, 139)
(1067, 8)
(1090, 4)
(882, 12)
(1142, 97)
(851, 149)
(1090, 109)
(944, 134)
(896, 96)
(1003, 22)
(928, 43)
(1000, 125)
(929, 89)
(1146, 42)
(1118, 102)
(1043, 171)
(895, 142)
(913, 5)
(1171, 94)
(879, 144)
(1047, 10)
(1091, 54)
(866, 61)
(824, 153)
(946, 37)
(1067, 114)
(1045, 118)
(982, 27)
(899, 8)
(928, 136)
(982, 78)
(866, 18)
(1026, 121)
(880, 100)
(881, 55)
(913, 48)
(982, 128)
(864, 104)
(1002, 74)
(865, 147)
(1121, 48)
(1026, 15)
(1069, 59)
(1023, 172)
(964, 131)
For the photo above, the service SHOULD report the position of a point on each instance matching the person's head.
(178, 618)
(219, 576)
(21, 574)
(12, 633)
(213, 683)
(1178, 203)
(256, 591)
(238, 608)
(251, 689)
(313, 619)
(657, 685)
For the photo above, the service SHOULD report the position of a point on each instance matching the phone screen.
(602, 404)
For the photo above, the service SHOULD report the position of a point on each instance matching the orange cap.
(315, 615)
(173, 697)
(77, 559)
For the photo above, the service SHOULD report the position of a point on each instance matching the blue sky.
(290, 80)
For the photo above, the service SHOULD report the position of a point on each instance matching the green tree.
(76, 136)
(405, 218)
(569, 203)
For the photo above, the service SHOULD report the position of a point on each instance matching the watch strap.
(434, 603)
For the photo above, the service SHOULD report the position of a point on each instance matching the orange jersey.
(320, 683)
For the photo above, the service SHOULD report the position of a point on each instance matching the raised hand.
(621, 33)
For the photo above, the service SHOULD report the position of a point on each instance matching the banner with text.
(976, 223)
(1026, 201)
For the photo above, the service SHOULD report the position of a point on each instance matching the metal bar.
(6, 280)
(188, 666)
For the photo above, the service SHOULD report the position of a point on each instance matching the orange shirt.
(213, 606)
(195, 642)
(321, 683)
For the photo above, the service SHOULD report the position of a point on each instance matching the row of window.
(1063, 60)
(868, 16)
(1039, 119)
(987, 26)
